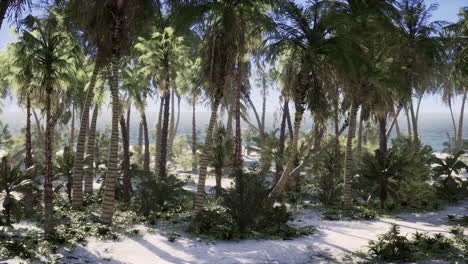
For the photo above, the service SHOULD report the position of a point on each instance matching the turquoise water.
(433, 127)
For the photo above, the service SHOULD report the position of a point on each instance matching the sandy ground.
(330, 244)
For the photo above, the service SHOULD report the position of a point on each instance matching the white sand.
(333, 240)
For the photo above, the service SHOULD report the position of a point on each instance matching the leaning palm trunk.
(408, 120)
(200, 195)
(460, 125)
(140, 135)
(279, 158)
(78, 171)
(158, 136)
(455, 131)
(194, 137)
(146, 156)
(111, 177)
(395, 122)
(29, 199)
(89, 173)
(348, 176)
(163, 148)
(127, 185)
(282, 182)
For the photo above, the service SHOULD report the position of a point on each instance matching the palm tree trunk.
(4, 4)
(360, 129)
(453, 119)
(127, 184)
(395, 122)
(280, 186)
(348, 175)
(29, 199)
(146, 157)
(71, 140)
(163, 148)
(78, 171)
(171, 127)
(229, 121)
(200, 195)
(383, 133)
(128, 123)
(140, 135)
(89, 173)
(415, 126)
(178, 117)
(49, 225)
(460, 124)
(194, 136)
(279, 158)
(237, 167)
(218, 176)
(408, 120)
(111, 177)
(158, 136)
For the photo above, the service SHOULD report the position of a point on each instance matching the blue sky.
(447, 11)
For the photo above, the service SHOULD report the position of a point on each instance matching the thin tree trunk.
(218, 178)
(408, 120)
(171, 127)
(71, 140)
(140, 135)
(200, 195)
(279, 158)
(460, 124)
(237, 166)
(383, 133)
(164, 136)
(260, 129)
(78, 171)
(49, 225)
(111, 177)
(146, 157)
(360, 129)
(178, 117)
(453, 120)
(397, 129)
(288, 122)
(229, 121)
(28, 162)
(127, 183)
(395, 122)
(128, 123)
(348, 177)
(281, 184)
(194, 136)
(158, 136)
(415, 126)
(89, 173)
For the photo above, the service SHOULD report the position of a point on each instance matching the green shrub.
(328, 176)
(450, 187)
(214, 222)
(154, 196)
(392, 246)
(355, 213)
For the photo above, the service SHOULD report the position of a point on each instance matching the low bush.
(392, 246)
(355, 213)
(214, 222)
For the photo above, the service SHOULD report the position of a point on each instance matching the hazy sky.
(447, 11)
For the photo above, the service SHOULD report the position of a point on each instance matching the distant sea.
(433, 127)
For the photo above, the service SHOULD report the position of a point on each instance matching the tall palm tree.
(50, 49)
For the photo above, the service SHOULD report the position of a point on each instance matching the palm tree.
(161, 54)
(419, 47)
(14, 8)
(50, 49)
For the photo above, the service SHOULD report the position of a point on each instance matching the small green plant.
(214, 222)
(13, 184)
(391, 246)
(355, 213)
(451, 187)
(64, 171)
